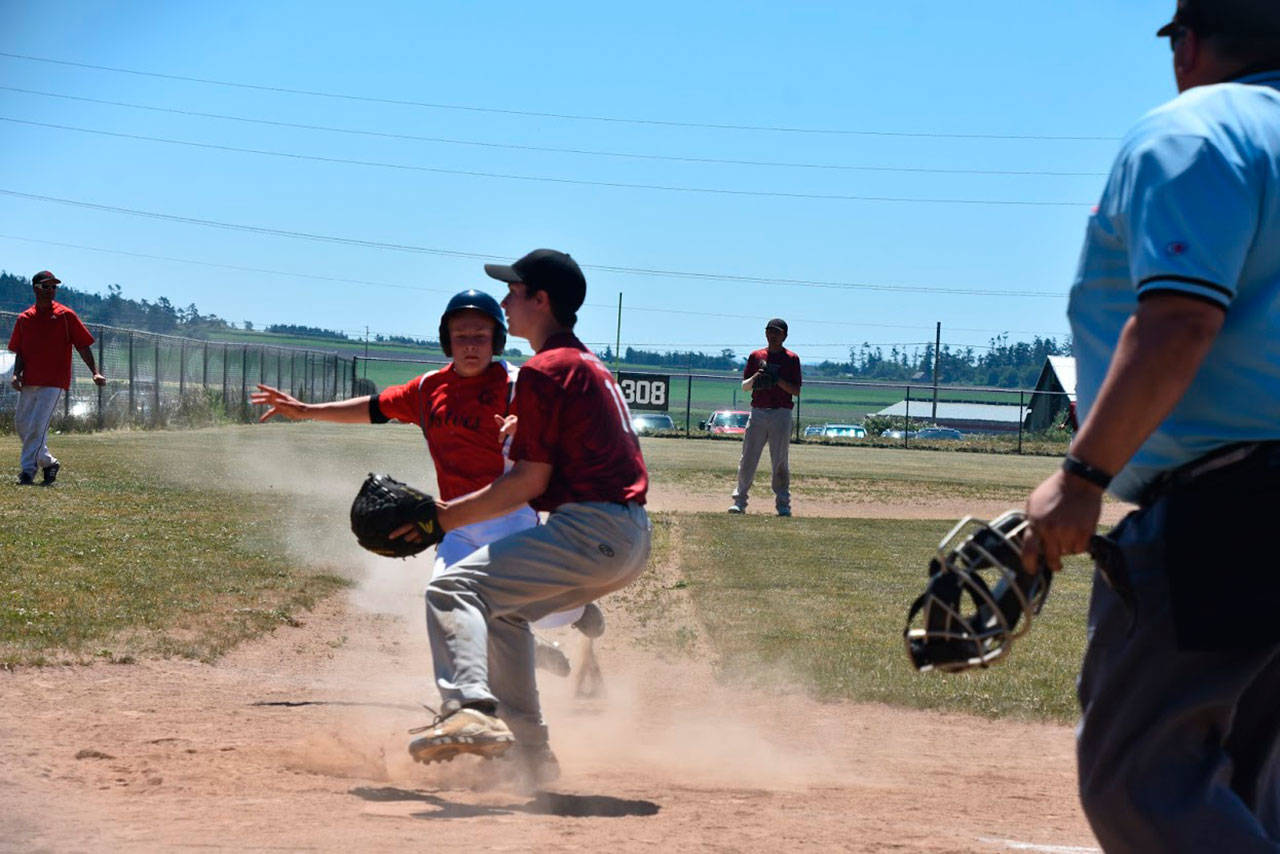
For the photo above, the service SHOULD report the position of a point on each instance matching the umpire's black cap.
(546, 270)
(1256, 19)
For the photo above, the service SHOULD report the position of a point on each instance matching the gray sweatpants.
(1177, 750)
(772, 426)
(36, 404)
(479, 609)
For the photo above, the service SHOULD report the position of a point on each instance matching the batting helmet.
(1005, 599)
(480, 301)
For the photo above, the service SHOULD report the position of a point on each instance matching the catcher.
(463, 411)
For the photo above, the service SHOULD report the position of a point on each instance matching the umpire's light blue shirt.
(1192, 206)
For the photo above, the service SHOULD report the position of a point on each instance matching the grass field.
(184, 543)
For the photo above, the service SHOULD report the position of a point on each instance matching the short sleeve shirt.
(1192, 206)
(456, 415)
(573, 417)
(44, 340)
(788, 369)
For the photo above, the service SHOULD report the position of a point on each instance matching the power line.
(772, 194)
(402, 286)
(547, 115)
(556, 150)
(405, 247)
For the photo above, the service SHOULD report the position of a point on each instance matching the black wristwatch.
(1078, 467)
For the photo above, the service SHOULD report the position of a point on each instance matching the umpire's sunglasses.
(46, 286)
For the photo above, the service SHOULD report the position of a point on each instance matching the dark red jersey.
(44, 340)
(788, 369)
(456, 416)
(573, 417)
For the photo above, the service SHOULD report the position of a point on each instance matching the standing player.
(772, 375)
(42, 338)
(461, 409)
(1175, 315)
(575, 456)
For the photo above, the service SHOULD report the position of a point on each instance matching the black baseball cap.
(546, 270)
(1252, 18)
(44, 277)
(777, 323)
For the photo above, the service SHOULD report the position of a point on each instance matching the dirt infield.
(297, 742)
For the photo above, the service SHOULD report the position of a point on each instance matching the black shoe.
(50, 474)
(591, 623)
(535, 765)
(25, 479)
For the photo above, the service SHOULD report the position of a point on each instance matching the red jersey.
(573, 416)
(456, 417)
(44, 340)
(788, 369)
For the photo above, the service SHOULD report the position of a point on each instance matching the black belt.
(1221, 464)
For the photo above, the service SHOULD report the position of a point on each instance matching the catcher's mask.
(480, 301)
(983, 562)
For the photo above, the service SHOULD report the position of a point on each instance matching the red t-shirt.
(44, 340)
(456, 417)
(788, 369)
(573, 416)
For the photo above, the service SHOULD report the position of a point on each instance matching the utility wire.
(639, 271)
(772, 194)
(549, 115)
(555, 150)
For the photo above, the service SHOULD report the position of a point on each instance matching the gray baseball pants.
(772, 426)
(31, 417)
(1178, 750)
(479, 609)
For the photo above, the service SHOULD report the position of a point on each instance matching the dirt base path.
(297, 742)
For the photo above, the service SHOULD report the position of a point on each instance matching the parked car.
(813, 430)
(646, 423)
(896, 434)
(844, 431)
(939, 433)
(726, 422)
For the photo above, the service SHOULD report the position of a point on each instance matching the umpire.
(1175, 314)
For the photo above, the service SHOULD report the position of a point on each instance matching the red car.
(726, 422)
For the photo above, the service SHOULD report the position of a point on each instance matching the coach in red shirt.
(42, 339)
(772, 375)
(576, 456)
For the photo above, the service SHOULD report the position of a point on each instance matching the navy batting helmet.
(480, 301)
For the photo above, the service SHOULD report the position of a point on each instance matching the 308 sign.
(645, 391)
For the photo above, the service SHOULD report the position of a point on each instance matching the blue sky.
(964, 90)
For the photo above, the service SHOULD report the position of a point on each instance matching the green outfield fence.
(996, 419)
(157, 380)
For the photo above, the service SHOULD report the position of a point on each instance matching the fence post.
(688, 404)
(293, 382)
(906, 418)
(204, 367)
(155, 395)
(1020, 421)
(131, 410)
(355, 373)
(797, 420)
(102, 368)
(182, 371)
(279, 369)
(226, 351)
(244, 374)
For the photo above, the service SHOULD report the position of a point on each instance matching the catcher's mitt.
(768, 378)
(982, 562)
(384, 504)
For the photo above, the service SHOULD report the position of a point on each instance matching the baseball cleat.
(50, 473)
(535, 764)
(737, 509)
(548, 656)
(784, 511)
(25, 479)
(591, 623)
(464, 730)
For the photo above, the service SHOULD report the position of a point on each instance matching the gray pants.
(36, 404)
(479, 609)
(772, 426)
(1178, 750)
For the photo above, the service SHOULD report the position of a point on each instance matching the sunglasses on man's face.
(48, 286)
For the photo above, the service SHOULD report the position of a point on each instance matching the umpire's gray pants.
(1164, 731)
(479, 609)
(772, 426)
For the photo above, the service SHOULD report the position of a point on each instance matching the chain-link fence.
(833, 411)
(160, 380)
